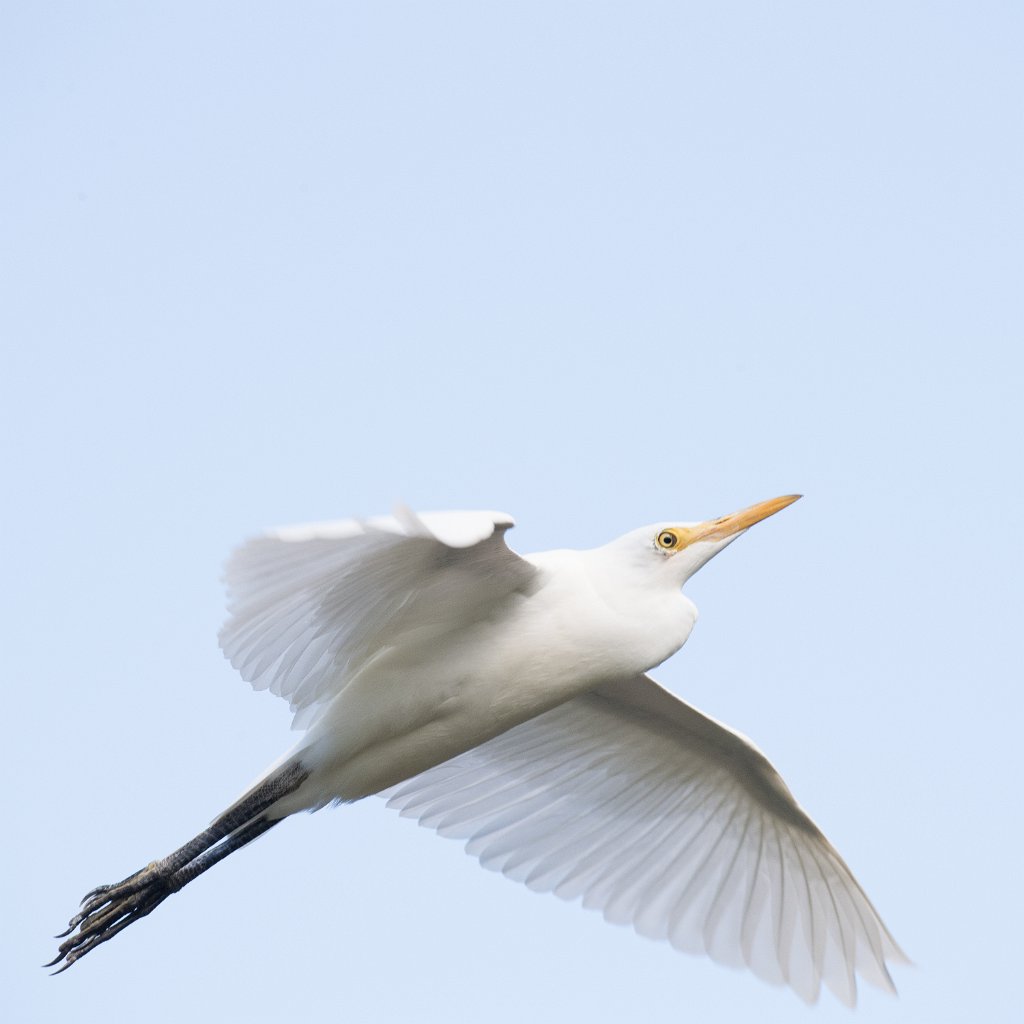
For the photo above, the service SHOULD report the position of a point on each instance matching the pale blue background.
(594, 264)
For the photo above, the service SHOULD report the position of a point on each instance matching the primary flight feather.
(504, 700)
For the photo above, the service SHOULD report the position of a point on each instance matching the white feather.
(660, 817)
(309, 605)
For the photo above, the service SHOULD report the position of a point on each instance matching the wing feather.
(640, 806)
(309, 605)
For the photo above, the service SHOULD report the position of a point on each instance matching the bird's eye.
(667, 539)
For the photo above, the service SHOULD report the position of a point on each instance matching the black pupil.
(667, 540)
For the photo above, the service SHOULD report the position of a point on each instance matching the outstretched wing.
(667, 820)
(308, 605)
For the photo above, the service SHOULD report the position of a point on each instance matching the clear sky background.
(593, 264)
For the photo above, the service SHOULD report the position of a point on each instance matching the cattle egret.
(503, 699)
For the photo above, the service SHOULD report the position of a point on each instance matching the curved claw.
(96, 892)
(108, 909)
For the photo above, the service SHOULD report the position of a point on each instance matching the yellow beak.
(727, 526)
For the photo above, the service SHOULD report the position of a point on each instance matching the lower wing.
(665, 819)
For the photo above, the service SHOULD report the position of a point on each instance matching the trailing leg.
(109, 909)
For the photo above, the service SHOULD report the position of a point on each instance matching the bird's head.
(680, 549)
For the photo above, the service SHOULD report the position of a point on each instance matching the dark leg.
(109, 909)
(245, 835)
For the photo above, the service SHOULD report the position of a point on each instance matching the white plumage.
(661, 818)
(311, 604)
(503, 700)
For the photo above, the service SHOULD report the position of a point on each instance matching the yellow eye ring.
(667, 540)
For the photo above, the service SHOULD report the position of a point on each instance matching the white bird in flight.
(503, 700)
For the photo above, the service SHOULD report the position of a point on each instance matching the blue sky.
(596, 265)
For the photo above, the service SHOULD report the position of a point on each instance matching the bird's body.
(503, 699)
(425, 699)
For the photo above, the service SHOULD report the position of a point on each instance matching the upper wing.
(310, 604)
(663, 818)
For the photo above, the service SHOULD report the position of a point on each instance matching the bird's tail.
(109, 909)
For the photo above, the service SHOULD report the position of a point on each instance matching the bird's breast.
(417, 705)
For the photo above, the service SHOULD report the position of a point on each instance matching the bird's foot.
(108, 909)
